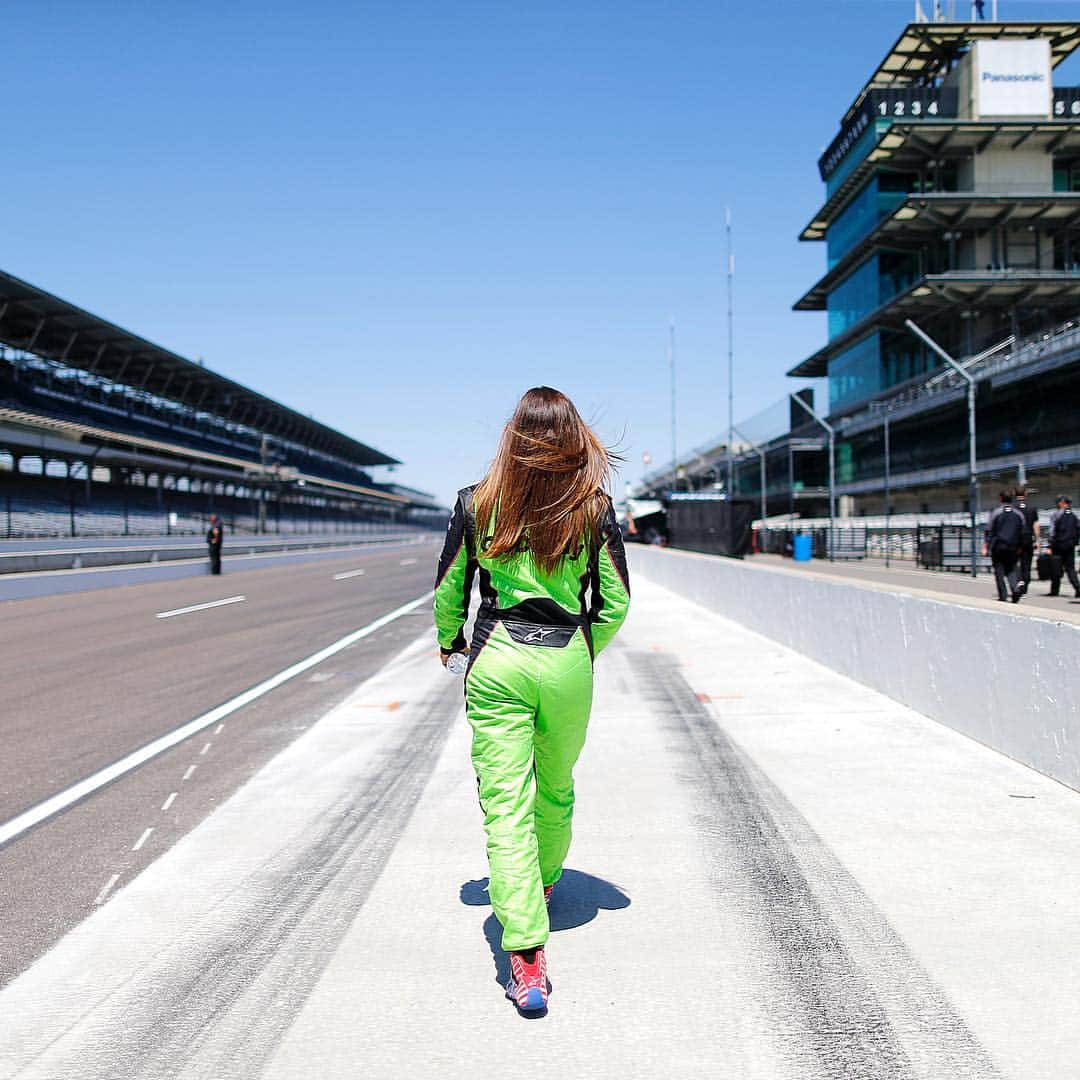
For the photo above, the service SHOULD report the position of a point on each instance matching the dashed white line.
(204, 749)
(407, 562)
(321, 676)
(219, 729)
(200, 607)
(63, 799)
(348, 574)
(169, 801)
(142, 839)
(190, 770)
(106, 889)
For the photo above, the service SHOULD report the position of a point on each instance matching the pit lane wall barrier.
(49, 555)
(29, 585)
(1008, 681)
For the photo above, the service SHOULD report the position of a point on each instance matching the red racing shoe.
(528, 985)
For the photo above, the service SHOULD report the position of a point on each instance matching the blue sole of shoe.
(534, 999)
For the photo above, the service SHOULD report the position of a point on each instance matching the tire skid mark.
(216, 1004)
(849, 1000)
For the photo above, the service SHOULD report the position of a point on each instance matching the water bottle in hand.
(457, 662)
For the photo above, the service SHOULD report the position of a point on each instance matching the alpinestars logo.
(539, 634)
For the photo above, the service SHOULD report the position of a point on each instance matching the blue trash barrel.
(804, 548)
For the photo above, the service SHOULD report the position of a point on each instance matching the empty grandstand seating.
(36, 507)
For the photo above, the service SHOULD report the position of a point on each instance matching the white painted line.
(321, 676)
(142, 839)
(106, 889)
(407, 562)
(219, 729)
(200, 607)
(169, 801)
(62, 800)
(348, 574)
(204, 749)
(190, 770)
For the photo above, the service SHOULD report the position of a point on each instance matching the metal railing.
(948, 547)
(1005, 355)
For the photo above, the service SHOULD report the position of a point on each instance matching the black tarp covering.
(715, 526)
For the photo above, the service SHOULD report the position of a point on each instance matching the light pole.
(761, 454)
(886, 408)
(671, 366)
(730, 356)
(888, 492)
(973, 497)
(832, 472)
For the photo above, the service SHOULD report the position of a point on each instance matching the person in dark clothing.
(213, 542)
(1064, 534)
(1004, 534)
(1030, 540)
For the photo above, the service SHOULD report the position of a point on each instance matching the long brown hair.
(544, 490)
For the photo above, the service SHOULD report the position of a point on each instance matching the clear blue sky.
(398, 216)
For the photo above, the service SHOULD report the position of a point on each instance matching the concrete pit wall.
(1008, 681)
(108, 552)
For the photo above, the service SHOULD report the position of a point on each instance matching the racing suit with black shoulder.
(528, 693)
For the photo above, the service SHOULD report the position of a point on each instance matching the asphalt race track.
(91, 677)
(777, 874)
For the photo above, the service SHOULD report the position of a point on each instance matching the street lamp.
(761, 454)
(973, 498)
(832, 472)
(886, 408)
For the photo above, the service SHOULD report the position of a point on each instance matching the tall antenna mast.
(671, 366)
(730, 357)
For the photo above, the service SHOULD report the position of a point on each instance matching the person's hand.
(985, 552)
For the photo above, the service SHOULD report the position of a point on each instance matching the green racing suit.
(528, 693)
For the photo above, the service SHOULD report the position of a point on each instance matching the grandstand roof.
(47, 326)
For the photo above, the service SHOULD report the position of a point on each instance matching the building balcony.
(910, 146)
(955, 290)
(947, 218)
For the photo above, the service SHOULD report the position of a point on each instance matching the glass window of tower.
(875, 364)
(903, 357)
(1067, 178)
(875, 281)
(857, 295)
(855, 373)
(878, 198)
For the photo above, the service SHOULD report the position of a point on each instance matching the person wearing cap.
(1064, 533)
(1030, 542)
(214, 536)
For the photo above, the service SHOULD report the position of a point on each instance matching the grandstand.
(105, 433)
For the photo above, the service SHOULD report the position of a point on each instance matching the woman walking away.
(554, 591)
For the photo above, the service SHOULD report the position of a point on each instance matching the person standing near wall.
(214, 537)
(1004, 536)
(1064, 534)
(1030, 540)
(541, 531)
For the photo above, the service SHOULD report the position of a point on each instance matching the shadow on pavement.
(577, 899)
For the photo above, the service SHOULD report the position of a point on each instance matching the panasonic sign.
(1012, 78)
